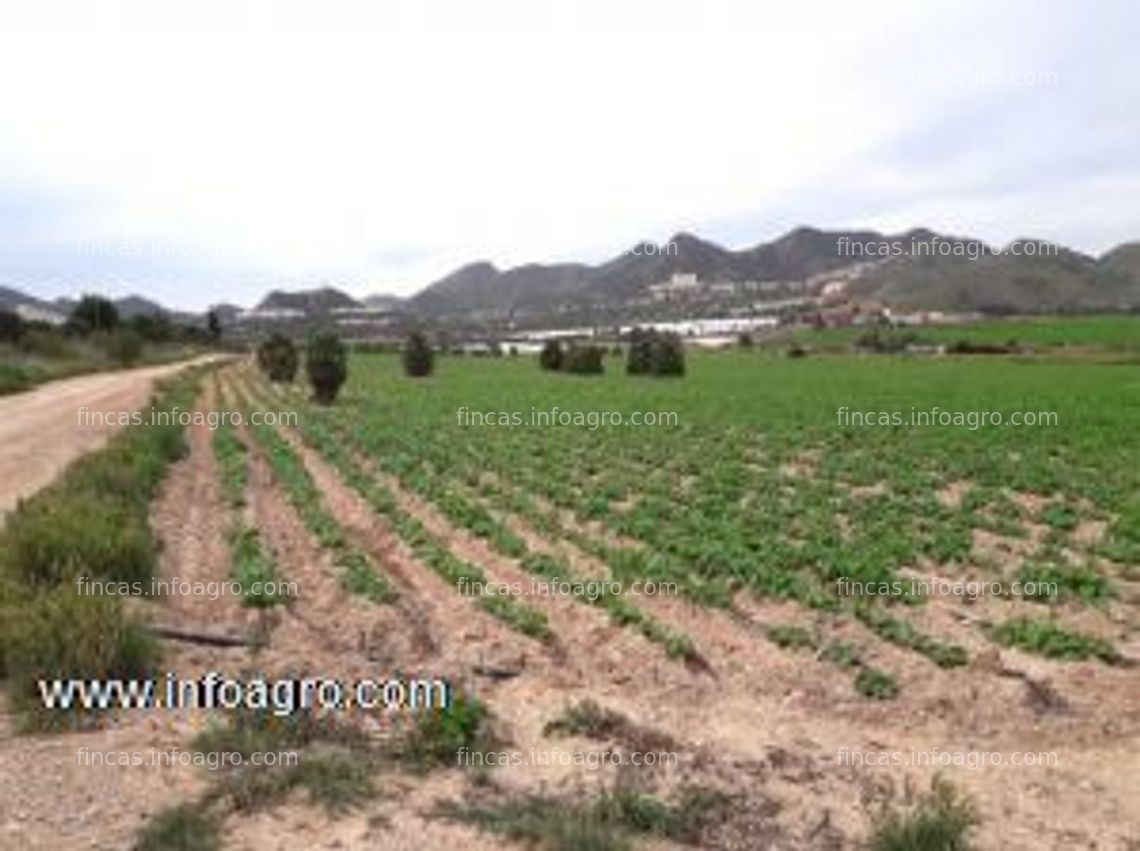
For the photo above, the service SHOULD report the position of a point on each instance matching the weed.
(939, 821)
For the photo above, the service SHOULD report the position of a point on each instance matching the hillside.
(310, 301)
(946, 280)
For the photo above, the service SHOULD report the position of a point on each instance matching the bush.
(654, 353)
(52, 541)
(873, 683)
(584, 360)
(326, 361)
(13, 378)
(440, 732)
(44, 343)
(668, 355)
(277, 358)
(639, 361)
(551, 357)
(11, 327)
(124, 346)
(940, 821)
(418, 356)
(183, 827)
(61, 634)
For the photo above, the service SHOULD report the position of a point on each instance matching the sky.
(207, 151)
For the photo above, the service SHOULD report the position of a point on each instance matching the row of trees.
(650, 353)
(326, 361)
(96, 323)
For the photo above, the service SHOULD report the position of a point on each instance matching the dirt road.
(42, 430)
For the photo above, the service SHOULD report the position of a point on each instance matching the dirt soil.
(42, 430)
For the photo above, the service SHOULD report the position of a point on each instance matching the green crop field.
(763, 480)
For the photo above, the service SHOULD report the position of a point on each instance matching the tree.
(277, 357)
(639, 361)
(94, 313)
(326, 362)
(11, 327)
(214, 326)
(418, 356)
(668, 355)
(654, 353)
(584, 360)
(551, 356)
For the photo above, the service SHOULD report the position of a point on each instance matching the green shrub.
(418, 356)
(441, 731)
(790, 636)
(876, 684)
(1046, 638)
(652, 352)
(277, 357)
(185, 827)
(12, 327)
(124, 346)
(13, 378)
(48, 344)
(326, 361)
(59, 634)
(939, 821)
(54, 540)
(584, 360)
(551, 356)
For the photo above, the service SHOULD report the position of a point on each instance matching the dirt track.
(42, 430)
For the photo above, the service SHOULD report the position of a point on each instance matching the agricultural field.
(782, 585)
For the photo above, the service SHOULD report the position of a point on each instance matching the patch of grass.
(254, 569)
(608, 822)
(76, 534)
(518, 616)
(233, 463)
(587, 718)
(185, 827)
(841, 655)
(440, 732)
(14, 379)
(901, 632)
(876, 684)
(790, 636)
(328, 760)
(334, 778)
(939, 821)
(1046, 638)
(1054, 582)
(61, 635)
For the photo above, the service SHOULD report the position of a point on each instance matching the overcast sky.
(204, 151)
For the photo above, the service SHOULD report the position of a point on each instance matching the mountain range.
(956, 274)
(961, 275)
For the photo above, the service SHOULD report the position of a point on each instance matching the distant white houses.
(681, 283)
(270, 314)
(706, 328)
(31, 313)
